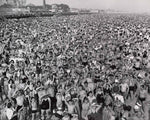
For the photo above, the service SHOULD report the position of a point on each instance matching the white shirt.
(74, 119)
(65, 118)
(82, 93)
(71, 109)
(20, 100)
(120, 97)
(91, 86)
(21, 86)
(124, 87)
(41, 94)
(50, 91)
(49, 82)
(9, 113)
(32, 93)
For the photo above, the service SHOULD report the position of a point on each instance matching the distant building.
(20, 10)
(54, 8)
(59, 8)
(22, 3)
(15, 3)
(35, 8)
(74, 10)
(94, 11)
(84, 11)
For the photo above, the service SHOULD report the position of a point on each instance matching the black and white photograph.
(74, 59)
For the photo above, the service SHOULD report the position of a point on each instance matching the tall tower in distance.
(44, 4)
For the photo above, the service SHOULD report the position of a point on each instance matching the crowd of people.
(82, 67)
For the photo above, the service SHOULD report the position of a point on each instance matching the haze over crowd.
(121, 5)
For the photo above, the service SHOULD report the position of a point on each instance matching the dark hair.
(81, 85)
(70, 100)
(38, 82)
(127, 108)
(12, 61)
(23, 72)
(142, 86)
(85, 82)
(28, 82)
(4, 73)
(89, 92)
(85, 98)
(33, 98)
(9, 105)
(11, 80)
(90, 117)
(14, 100)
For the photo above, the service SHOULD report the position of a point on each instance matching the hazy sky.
(128, 5)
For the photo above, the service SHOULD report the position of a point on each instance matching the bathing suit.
(45, 104)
